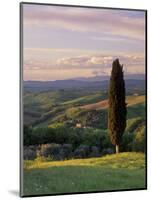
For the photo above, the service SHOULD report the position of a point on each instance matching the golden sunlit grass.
(122, 160)
(131, 100)
(99, 105)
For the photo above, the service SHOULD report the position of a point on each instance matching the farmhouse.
(78, 125)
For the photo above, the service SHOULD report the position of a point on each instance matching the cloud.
(130, 24)
(100, 60)
(98, 64)
(97, 60)
(73, 61)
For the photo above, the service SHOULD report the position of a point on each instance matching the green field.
(111, 172)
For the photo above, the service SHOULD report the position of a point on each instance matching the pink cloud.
(100, 60)
(83, 20)
(102, 63)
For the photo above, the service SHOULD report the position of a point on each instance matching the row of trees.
(91, 138)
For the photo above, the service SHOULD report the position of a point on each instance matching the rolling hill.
(82, 99)
(130, 100)
(94, 84)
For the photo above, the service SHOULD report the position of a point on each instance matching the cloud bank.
(97, 63)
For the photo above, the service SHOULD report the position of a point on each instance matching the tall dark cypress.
(117, 106)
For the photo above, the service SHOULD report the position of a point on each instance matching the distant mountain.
(92, 79)
(103, 78)
(38, 86)
(135, 76)
(93, 84)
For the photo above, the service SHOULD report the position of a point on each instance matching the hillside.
(43, 109)
(130, 100)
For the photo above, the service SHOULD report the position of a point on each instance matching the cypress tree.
(117, 107)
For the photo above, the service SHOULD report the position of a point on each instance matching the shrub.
(107, 151)
(82, 151)
(27, 135)
(105, 140)
(29, 152)
(55, 151)
(127, 142)
(75, 137)
(61, 134)
(139, 143)
(49, 150)
(94, 151)
(91, 137)
(41, 136)
(66, 151)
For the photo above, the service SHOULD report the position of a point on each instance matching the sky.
(69, 42)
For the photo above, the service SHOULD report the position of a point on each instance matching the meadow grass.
(111, 172)
(122, 160)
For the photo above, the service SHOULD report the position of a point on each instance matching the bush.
(139, 143)
(66, 151)
(94, 151)
(27, 135)
(127, 142)
(91, 137)
(75, 137)
(40, 136)
(49, 150)
(107, 151)
(82, 151)
(55, 151)
(61, 135)
(30, 152)
(105, 140)
(45, 135)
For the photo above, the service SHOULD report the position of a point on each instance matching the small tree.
(117, 107)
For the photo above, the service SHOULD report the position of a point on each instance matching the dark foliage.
(117, 106)
(96, 119)
(139, 143)
(30, 152)
(27, 132)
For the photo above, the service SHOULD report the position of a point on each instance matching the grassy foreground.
(111, 172)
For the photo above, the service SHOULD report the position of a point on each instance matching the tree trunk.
(117, 148)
